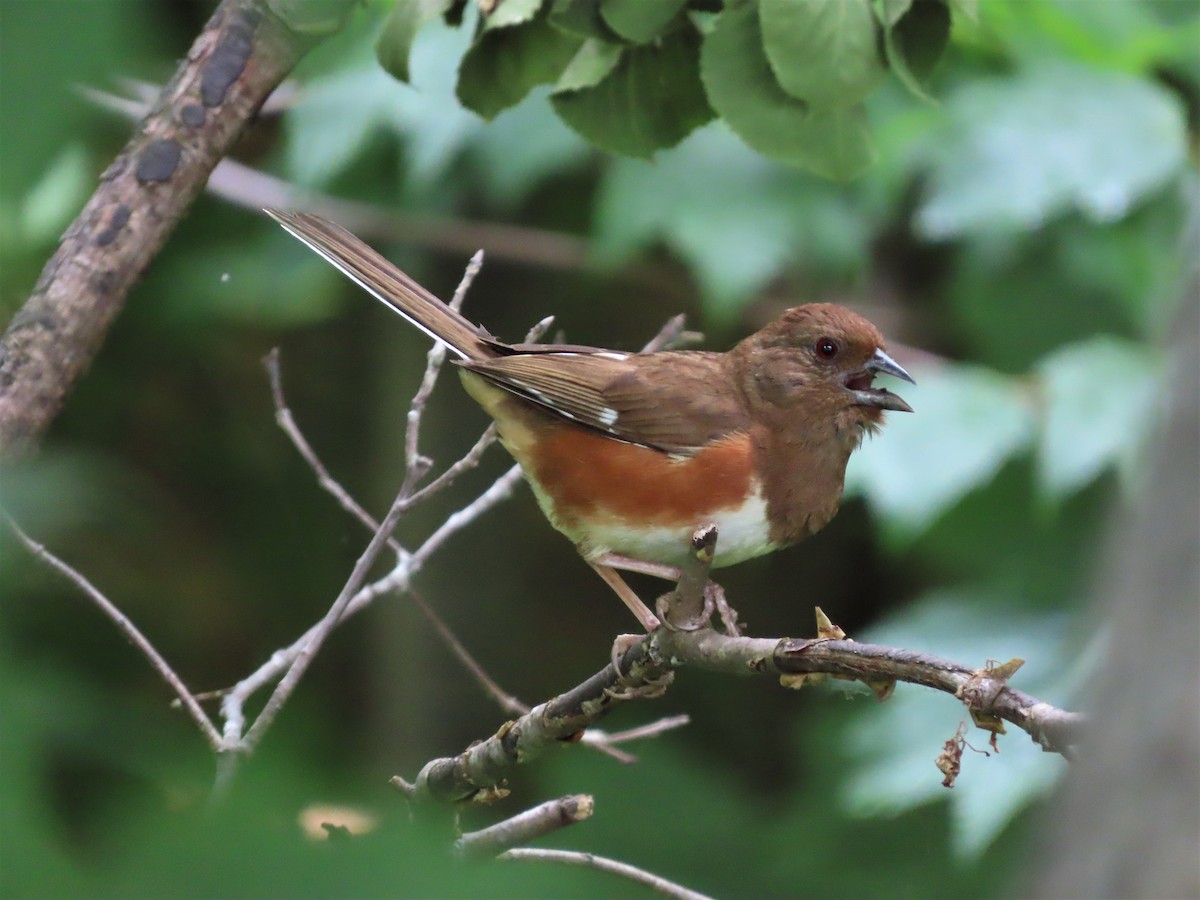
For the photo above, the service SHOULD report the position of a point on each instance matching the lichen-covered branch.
(245, 50)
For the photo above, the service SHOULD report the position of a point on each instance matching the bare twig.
(684, 607)
(673, 335)
(642, 732)
(233, 704)
(321, 631)
(235, 698)
(606, 743)
(501, 489)
(417, 465)
(285, 420)
(243, 52)
(127, 628)
(527, 826)
(504, 700)
(604, 864)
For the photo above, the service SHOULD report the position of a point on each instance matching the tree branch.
(604, 864)
(527, 826)
(243, 52)
(487, 762)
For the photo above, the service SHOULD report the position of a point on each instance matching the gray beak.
(885, 365)
(880, 398)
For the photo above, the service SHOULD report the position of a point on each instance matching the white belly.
(742, 533)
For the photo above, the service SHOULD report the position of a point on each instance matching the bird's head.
(821, 360)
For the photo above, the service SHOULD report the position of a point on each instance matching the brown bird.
(629, 453)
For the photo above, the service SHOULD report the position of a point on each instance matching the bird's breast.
(610, 496)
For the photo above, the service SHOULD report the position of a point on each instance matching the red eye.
(827, 348)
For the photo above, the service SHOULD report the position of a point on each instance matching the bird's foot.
(714, 600)
(647, 689)
(663, 607)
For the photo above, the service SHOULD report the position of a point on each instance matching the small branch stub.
(527, 826)
(685, 607)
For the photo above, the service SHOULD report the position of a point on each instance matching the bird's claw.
(647, 689)
(714, 599)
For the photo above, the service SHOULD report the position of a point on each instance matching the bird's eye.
(826, 347)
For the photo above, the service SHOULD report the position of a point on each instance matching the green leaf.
(510, 56)
(1014, 152)
(1101, 397)
(640, 21)
(57, 197)
(752, 219)
(512, 12)
(337, 115)
(318, 18)
(742, 88)
(583, 19)
(889, 12)
(824, 52)
(968, 8)
(915, 42)
(968, 422)
(635, 100)
(400, 27)
(523, 147)
(330, 123)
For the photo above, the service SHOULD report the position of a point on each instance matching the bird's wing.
(668, 401)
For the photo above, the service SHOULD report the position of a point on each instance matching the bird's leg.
(623, 642)
(641, 566)
(714, 594)
(614, 580)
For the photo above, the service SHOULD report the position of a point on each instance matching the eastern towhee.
(629, 453)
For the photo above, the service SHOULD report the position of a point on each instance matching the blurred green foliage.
(1022, 238)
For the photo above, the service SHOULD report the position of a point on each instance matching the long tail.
(384, 281)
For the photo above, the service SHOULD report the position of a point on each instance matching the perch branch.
(487, 762)
(243, 52)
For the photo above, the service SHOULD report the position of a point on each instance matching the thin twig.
(504, 700)
(673, 335)
(649, 730)
(417, 465)
(604, 864)
(544, 819)
(287, 684)
(285, 420)
(233, 704)
(468, 461)
(127, 628)
(601, 740)
(501, 489)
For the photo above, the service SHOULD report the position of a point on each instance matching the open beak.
(860, 384)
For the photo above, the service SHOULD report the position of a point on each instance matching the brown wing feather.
(665, 401)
